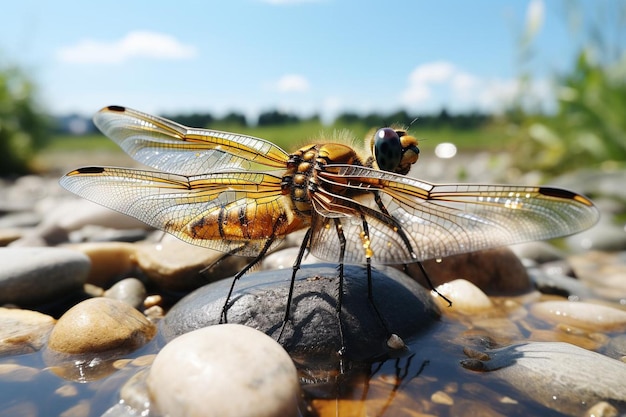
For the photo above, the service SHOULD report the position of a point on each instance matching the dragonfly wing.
(186, 207)
(170, 147)
(435, 221)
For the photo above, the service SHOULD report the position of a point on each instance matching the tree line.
(276, 117)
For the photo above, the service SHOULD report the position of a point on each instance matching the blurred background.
(544, 82)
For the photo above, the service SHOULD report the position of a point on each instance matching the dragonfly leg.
(260, 256)
(398, 343)
(430, 284)
(342, 251)
(296, 267)
(222, 257)
(408, 245)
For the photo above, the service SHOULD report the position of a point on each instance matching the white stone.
(580, 314)
(224, 370)
(465, 296)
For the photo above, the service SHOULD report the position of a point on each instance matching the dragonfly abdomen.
(247, 219)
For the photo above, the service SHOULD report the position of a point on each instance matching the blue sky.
(304, 56)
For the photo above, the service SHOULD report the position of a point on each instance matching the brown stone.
(100, 325)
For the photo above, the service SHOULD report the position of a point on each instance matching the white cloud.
(136, 44)
(437, 84)
(291, 83)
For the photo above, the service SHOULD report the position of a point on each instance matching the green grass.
(291, 137)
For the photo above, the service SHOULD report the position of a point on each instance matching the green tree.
(23, 128)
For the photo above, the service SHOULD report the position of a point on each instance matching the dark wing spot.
(90, 170)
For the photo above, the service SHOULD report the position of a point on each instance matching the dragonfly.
(243, 195)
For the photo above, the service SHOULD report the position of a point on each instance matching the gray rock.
(33, 275)
(558, 375)
(605, 236)
(259, 301)
(130, 291)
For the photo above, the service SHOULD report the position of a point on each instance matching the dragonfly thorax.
(300, 181)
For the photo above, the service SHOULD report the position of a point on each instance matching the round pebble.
(100, 325)
(225, 370)
(466, 297)
(34, 275)
(23, 331)
(580, 314)
(130, 291)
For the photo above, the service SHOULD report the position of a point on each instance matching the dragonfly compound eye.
(387, 149)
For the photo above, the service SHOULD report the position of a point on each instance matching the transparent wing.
(170, 147)
(210, 210)
(426, 221)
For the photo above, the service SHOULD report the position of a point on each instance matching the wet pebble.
(560, 376)
(231, 370)
(495, 271)
(465, 297)
(260, 298)
(35, 275)
(582, 315)
(130, 291)
(100, 325)
(23, 331)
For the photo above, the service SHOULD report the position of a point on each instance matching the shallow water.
(425, 379)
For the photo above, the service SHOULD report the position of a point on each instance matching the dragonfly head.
(394, 150)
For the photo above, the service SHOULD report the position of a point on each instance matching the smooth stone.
(106, 234)
(561, 376)
(495, 271)
(556, 284)
(34, 275)
(285, 258)
(602, 409)
(539, 252)
(260, 298)
(604, 236)
(604, 272)
(580, 314)
(23, 331)
(100, 325)
(10, 372)
(231, 370)
(179, 266)
(62, 216)
(77, 213)
(616, 348)
(110, 261)
(130, 291)
(19, 219)
(9, 235)
(465, 296)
